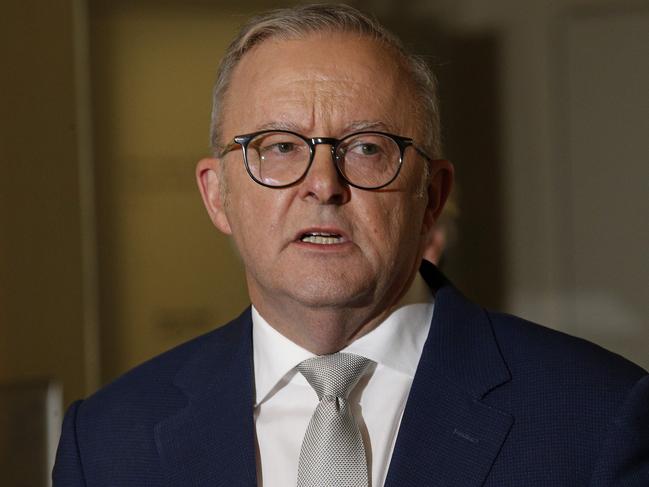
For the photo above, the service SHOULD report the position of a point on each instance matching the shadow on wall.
(467, 69)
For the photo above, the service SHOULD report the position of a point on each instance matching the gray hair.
(298, 22)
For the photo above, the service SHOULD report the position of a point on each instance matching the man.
(327, 174)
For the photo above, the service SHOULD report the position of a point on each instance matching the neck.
(325, 330)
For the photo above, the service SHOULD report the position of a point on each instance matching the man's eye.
(285, 147)
(280, 147)
(369, 149)
(364, 149)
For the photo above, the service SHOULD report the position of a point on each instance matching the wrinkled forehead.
(322, 78)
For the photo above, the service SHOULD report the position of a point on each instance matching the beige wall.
(166, 274)
(45, 326)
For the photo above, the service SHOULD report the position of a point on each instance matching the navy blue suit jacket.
(496, 401)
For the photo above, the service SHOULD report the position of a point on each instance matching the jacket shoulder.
(149, 387)
(530, 348)
(516, 333)
(111, 434)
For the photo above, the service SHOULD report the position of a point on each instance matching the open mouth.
(321, 238)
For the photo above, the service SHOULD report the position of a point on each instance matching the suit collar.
(448, 436)
(211, 441)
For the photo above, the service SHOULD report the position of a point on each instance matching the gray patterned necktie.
(332, 452)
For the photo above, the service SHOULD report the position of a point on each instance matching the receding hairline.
(381, 51)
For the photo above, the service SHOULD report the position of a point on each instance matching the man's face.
(326, 85)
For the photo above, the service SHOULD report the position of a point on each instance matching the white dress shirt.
(285, 402)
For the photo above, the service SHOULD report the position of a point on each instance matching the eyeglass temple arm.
(229, 148)
(422, 153)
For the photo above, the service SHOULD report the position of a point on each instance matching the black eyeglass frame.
(402, 142)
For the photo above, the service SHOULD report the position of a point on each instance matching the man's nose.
(322, 182)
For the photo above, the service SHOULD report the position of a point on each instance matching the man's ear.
(439, 187)
(210, 180)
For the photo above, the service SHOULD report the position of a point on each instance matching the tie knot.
(335, 374)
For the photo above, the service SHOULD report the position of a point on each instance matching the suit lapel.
(448, 436)
(211, 440)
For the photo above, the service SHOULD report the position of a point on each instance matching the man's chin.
(319, 297)
(316, 286)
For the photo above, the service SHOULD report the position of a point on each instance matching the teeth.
(321, 239)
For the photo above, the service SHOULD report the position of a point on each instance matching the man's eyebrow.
(355, 126)
(279, 125)
(359, 125)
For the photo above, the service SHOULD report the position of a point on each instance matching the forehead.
(325, 81)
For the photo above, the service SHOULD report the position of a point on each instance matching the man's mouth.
(321, 238)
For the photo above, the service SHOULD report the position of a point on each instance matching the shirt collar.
(274, 357)
(396, 343)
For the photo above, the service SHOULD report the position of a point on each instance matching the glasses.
(280, 158)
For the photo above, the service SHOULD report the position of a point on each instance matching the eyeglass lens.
(366, 160)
